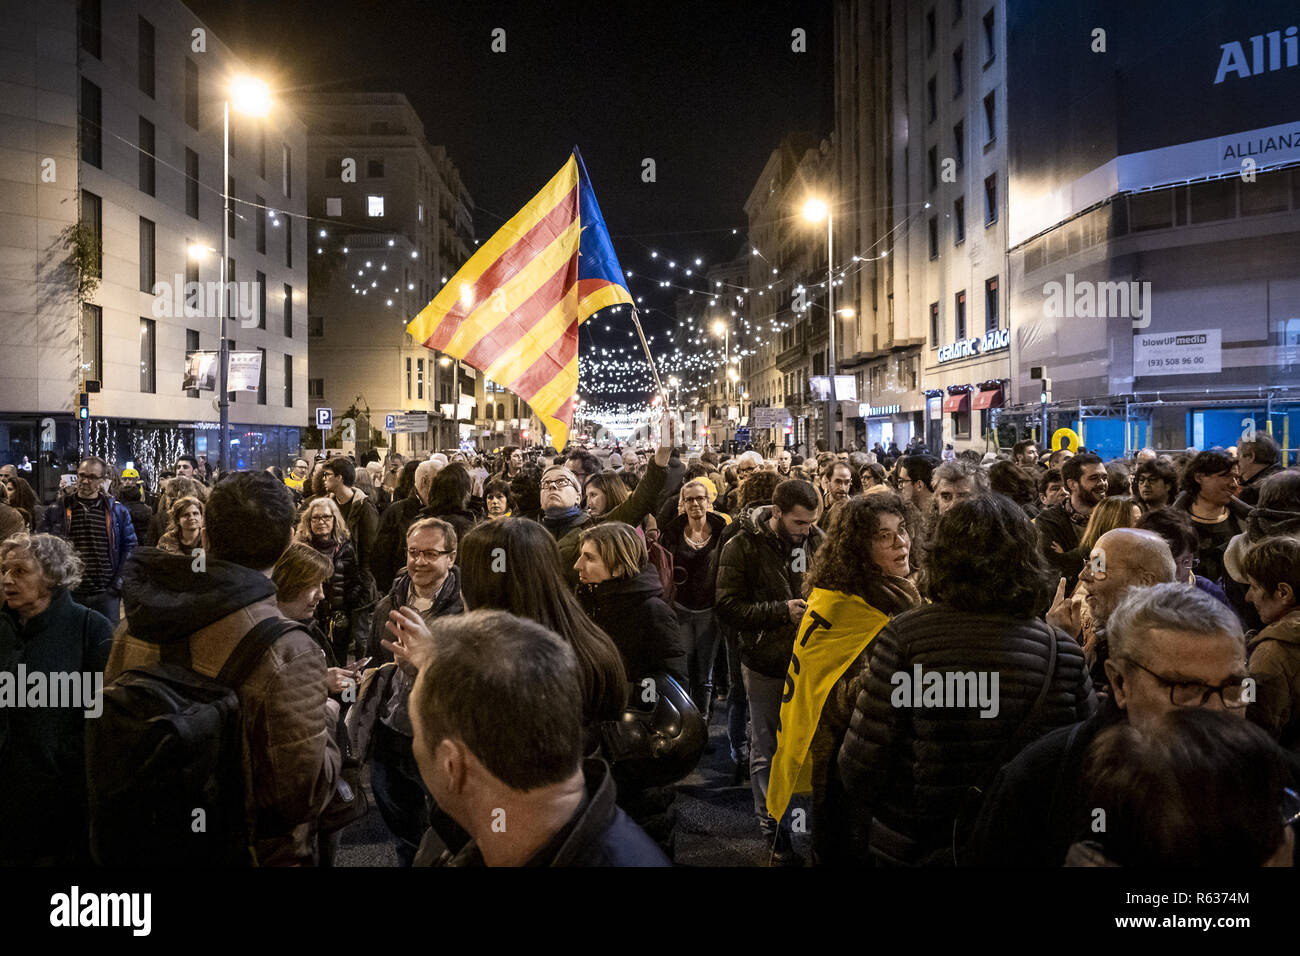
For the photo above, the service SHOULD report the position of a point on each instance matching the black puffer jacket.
(758, 573)
(344, 591)
(390, 541)
(633, 613)
(913, 766)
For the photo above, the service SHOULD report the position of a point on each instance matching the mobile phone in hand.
(358, 665)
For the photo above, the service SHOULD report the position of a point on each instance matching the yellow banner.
(835, 629)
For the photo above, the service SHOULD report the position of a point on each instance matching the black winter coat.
(758, 573)
(44, 820)
(913, 766)
(446, 601)
(693, 570)
(1055, 527)
(390, 541)
(344, 591)
(633, 613)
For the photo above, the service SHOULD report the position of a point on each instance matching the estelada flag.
(513, 310)
(835, 629)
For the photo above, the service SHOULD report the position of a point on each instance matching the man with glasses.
(1171, 647)
(913, 480)
(102, 534)
(1155, 483)
(1123, 558)
(429, 586)
(297, 474)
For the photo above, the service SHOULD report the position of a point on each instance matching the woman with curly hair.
(186, 533)
(955, 689)
(866, 555)
(323, 528)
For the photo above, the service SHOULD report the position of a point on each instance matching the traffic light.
(83, 405)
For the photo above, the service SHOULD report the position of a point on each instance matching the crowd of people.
(488, 645)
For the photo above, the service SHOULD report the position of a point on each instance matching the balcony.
(792, 356)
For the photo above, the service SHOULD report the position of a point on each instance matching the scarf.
(560, 518)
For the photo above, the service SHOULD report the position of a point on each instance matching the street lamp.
(252, 98)
(723, 329)
(814, 210)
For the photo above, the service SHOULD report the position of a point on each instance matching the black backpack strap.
(250, 649)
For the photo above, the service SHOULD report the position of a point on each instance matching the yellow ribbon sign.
(835, 629)
(1068, 435)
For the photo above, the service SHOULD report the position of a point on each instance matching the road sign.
(411, 422)
(390, 423)
(324, 417)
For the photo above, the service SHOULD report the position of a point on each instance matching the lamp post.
(252, 98)
(723, 329)
(815, 210)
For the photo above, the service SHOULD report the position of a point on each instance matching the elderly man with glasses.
(102, 534)
(1171, 647)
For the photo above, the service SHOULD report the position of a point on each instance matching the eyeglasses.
(1196, 694)
(322, 518)
(557, 484)
(414, 554)
(82, 476)
(696, 499)
(1148, 479)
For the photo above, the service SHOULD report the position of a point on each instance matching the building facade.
(116, 123)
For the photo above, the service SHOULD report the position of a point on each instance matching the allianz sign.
(988, 342)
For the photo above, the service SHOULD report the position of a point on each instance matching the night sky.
(707, 90)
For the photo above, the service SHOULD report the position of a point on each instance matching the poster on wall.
(200, 371)
(245, 371)
(1178, 353)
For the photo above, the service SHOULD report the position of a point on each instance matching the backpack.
(165, 761)
(662, 559)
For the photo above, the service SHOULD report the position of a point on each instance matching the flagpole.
(636, 320)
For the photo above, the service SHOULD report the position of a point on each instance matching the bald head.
(424, 473)
(1122, 559)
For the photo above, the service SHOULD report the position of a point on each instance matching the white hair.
(424, 473)
(751, 456)
(439, 458)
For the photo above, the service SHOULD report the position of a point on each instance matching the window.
(419, 378)
(191, 94)
(92, 141)
(959, 220)
(374, 169)
(191, 183)
(148, 333)
(991, 200)
(1267, 194)
(147, 171)
(315, 326)
(261, 381)
(374, 206)
(408, 378)
(991, 117)
(934, 237)
(146, 37)
(1151, 210)
(287, 159)
(991, 319)
(959, 143)
(1214, 200)
(259, 216)
(934, 325)
(419, 212)
(233, 214)
(931, 32)
(192, 345)
(932, 98)
(261, 152)
(288, 381)
(990, 38)
(288, 241)
(288, 311)
(932, 160)
(92, 214)
(958, 71)
(261, 301)
(191, 265)
(88, 26)
(961, 424)
(334, 206)
(92, 353)
(147, 271)
(959, 316)
(315, 388)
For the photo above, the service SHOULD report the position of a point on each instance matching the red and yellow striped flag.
(514, 309)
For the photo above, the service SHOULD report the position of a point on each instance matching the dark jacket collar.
(60, 603)
(166, 600)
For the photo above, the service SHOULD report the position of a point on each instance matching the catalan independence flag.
(514, 309)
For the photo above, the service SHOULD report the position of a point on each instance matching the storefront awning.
(957, 403)
(990, 398)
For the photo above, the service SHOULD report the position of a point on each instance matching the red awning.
(991, 398)
(957, 403)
